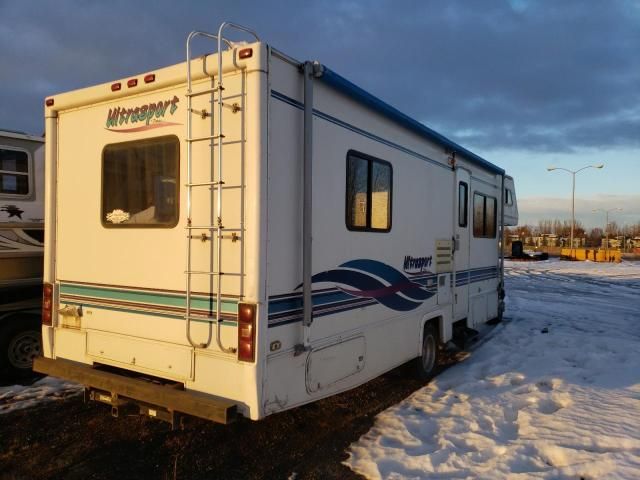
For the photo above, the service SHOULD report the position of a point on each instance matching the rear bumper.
(220, 410)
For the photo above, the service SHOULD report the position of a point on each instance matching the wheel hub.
(23, 348)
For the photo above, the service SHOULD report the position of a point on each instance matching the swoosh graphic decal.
(391, 288)
(143, 127)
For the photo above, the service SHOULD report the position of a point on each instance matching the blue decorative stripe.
(391, 288)
(353, 128)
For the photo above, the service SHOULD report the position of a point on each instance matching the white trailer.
(258, 233)
(21, 250)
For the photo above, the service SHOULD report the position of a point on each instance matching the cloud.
(534, 209)
(536, 76)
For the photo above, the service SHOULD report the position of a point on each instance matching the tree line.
(562, 229)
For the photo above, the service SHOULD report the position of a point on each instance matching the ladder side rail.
(219, 203)
(188, 293)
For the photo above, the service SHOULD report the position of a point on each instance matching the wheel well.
(28, 317)
(436, 321)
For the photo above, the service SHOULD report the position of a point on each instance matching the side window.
(14, 172)
(368, 196)
(508, 197)
(140, 183)
(484, 216)
(463, 200)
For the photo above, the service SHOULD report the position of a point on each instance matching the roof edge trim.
(338, 82)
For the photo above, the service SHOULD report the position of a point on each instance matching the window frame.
(508, 194)
(466, 205)
(22, 196)
(127, 226)
(484, 215)
(370, 161)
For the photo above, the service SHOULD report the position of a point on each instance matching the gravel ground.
(69, 439)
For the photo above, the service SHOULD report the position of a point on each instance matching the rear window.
(14, 172)
(140, 183)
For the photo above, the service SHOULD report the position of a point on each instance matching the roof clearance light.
(245, 53)
(132, 83)
(49, 102)
(115, 87)
(150, 78)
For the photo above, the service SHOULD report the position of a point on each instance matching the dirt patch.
(72, 440)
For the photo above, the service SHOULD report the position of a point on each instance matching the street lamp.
(606, 225)
(573, 194)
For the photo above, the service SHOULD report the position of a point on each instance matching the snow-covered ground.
(15, 397)
(553, 394)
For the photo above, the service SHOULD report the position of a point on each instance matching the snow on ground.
(15, 397)
(554, 393)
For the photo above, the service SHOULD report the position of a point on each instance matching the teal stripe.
(151, 314)
(229, 306)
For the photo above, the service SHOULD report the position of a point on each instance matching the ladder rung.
(207, 318)
(204, 272)
(200, 139)
(212, 227)
(212, 184)
(202, 92)
(230, 142)
(203, 184)
(212, 90)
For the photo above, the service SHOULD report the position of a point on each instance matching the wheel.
(20, 343)
(427, 362)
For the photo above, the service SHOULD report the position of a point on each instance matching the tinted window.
(368, 195)
(508, 197)
(484, 216)
(463, 199)
(14, 172)
(140, 183)
(357, 179)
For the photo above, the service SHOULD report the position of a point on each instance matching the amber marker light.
(245, 53)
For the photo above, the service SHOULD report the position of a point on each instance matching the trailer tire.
(20, 343)
(427, 363)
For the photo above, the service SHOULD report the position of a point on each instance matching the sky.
(525, 84)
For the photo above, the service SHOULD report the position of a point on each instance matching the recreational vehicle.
(244, 233)
(21, 250)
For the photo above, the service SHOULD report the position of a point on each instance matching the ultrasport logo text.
(150, 115)
(416, 265)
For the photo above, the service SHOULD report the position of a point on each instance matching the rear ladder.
(217, 231)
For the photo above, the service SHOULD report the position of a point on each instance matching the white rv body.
(120, 290)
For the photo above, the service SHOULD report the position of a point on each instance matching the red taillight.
(47, 304)
(115, 87)
(246, 332)
(245, 53)
(150, 78)
(132, 83)
(49, 102)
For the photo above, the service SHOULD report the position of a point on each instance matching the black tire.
(427, 363)
(20, 343)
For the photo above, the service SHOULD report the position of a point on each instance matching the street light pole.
(606, 226)
(573, 195)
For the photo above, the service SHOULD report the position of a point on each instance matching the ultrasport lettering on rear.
(121, 116)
